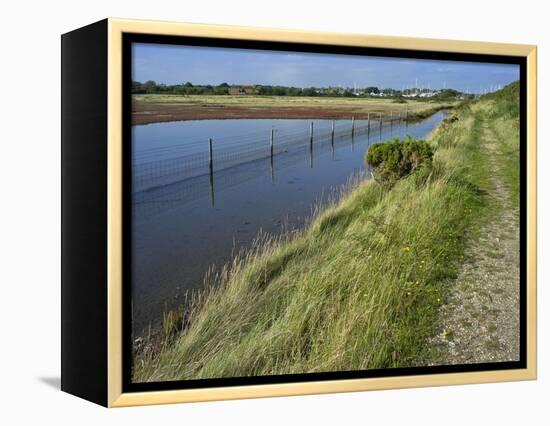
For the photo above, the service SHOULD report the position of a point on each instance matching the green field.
(287, 101)
(361, 287)
(154, 108)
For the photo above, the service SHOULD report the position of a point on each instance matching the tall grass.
(359, 288)
(504, 121)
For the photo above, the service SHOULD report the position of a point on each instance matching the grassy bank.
(359, 288)
(158, 108)
(503, 114)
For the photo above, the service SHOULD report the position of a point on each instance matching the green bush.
(395, 159)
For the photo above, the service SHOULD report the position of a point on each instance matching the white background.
(30, 211)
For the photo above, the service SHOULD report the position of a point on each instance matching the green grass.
(415, 107)
(502, 113)
(359, 288)
(507, 132)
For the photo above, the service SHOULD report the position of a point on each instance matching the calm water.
(182, 228)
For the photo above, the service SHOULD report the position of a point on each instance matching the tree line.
(152, 87)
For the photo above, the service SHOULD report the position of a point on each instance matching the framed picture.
(253, 212)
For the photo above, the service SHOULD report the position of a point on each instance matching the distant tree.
(278, 91)
(265, 90)
(293, 91)
(224, 85)
(150, 86)
(221, 90)
(310, 91)
(188, 84)
(449, 93)
(137, 87)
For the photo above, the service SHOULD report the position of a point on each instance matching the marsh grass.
(504, 122)
(417, 108)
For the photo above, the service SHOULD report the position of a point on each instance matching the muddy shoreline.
(159, 113)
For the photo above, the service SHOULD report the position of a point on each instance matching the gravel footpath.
(480, 320)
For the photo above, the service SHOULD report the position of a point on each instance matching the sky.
(174, 64)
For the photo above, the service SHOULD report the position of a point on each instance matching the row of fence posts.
(332, 130)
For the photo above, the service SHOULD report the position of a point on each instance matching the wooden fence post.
(211, 167)
(271, 156)
(332, 138)
(271, 143)
(210, 162)
(311, 145)
(368, 127)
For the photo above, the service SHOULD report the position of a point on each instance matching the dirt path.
(480, 322)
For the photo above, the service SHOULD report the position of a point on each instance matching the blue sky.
(171, 64)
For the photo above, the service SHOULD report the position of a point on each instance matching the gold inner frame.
(116, 27)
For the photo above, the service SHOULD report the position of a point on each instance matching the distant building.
(422, 94)
(242, 90)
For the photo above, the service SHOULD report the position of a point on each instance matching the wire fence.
(183, 194)
(161, 166)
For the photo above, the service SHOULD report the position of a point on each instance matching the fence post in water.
(210, 163)
(407, 117)
(352, 132)
(332, 139)
(211, 167)
(271, 156)
(311, 145)
(271, 143)
(368, 127)
(391, 124)
(380, 115)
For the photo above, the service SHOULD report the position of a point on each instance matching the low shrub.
(450, 120)
(396, 159)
